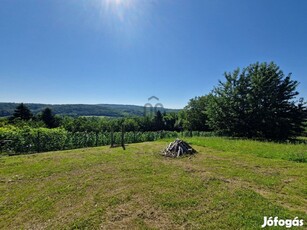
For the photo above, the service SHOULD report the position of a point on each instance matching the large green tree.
(170, 121)
(22, 112)
(130, 124)
(196, 117)
(259, 101)
(158, 121)
(48, 118)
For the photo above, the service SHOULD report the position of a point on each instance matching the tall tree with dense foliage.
(48, 118)
(170, 121)
(196, 117)
(22, 112)
(158, 121)
(259, 101)
(130, 124)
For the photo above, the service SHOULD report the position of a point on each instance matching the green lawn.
(297, 152)
(224, 186)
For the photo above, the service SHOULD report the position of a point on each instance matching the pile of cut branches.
(178, 148)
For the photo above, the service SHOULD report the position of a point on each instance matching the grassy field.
(229, 184)
(297, 152)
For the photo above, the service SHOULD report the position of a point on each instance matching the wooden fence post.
(123, 137)
(38, 142)
(112, 138)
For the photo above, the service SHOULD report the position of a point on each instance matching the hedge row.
(30, 140)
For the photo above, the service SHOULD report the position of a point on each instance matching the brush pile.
(178, 148)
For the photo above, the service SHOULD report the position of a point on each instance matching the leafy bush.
(30, 140)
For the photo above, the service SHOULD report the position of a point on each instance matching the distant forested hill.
(109, 110)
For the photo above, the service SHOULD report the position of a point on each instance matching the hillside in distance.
(108, 110)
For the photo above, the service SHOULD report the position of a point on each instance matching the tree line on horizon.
(23, 116)
(76, 110)
(259, 102)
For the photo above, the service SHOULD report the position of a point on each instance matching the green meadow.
(228, 184)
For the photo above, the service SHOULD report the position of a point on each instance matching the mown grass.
(103, 188)
(292, 152)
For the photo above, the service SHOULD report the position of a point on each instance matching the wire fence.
(23, 141)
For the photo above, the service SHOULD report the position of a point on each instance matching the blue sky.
(124, 51)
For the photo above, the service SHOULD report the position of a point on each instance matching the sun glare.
(124, 3)
(119, 8)
(123, 16)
